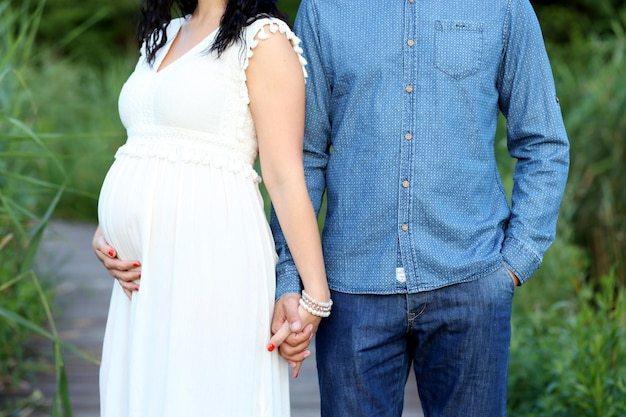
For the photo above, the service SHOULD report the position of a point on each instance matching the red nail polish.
(270, 347)
(111, 253)
(136, 288)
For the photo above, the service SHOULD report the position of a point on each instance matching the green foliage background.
(62, 64)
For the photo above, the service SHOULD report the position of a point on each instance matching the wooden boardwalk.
(80, 310)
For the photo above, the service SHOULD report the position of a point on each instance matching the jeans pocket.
(507, 279)
(458, 47)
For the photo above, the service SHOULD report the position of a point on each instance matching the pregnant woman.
(181, 203)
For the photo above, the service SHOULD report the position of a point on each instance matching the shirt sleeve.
(536, 138)
(316, 141)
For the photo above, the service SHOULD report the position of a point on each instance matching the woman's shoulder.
(262, 28)
(171, 28)
(175, 24)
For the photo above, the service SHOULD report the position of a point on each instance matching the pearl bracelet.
(315, 312)
(315, 307)
(310, 300)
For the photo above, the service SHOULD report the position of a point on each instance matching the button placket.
(409, 47)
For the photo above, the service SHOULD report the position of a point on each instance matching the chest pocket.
(458, 47)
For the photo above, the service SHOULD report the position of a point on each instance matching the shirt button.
(410, 42)
(405, 184)
(408, 136)
(409, 88)
(405, 227)
(411, 1)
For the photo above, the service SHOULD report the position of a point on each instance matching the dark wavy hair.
(157, 14)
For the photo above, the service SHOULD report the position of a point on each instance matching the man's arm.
(536, 137)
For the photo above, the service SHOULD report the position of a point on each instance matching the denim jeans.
(456, 337)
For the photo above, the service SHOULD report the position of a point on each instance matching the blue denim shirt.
(402, 105)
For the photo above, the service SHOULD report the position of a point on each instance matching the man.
(422, 249)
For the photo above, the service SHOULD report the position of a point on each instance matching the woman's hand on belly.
(125, 272)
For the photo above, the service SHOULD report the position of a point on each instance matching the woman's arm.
(276, 89)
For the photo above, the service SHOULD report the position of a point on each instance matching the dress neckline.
(166, 48)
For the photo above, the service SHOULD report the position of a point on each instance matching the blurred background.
(62, 65)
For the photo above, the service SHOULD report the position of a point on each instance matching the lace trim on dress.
(193, 150)
(255, 32)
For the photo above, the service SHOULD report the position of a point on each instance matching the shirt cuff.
(287, 282)
(520, 259)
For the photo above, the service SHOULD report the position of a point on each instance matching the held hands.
(125, 272)
(292, 329)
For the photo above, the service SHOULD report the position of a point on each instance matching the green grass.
(28, 198)
(567, 354)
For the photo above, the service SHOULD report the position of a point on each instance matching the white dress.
(182, 197)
